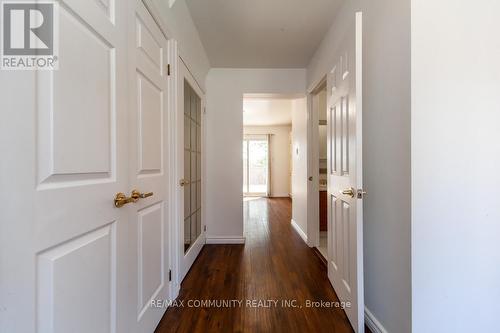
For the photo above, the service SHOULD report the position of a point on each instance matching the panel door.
(345, 207)
(190, 168)
(66, 260)
(148, 158)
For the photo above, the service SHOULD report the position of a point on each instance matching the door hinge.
(169, 275)
(204, 228)
(204, 110)
(168, 70)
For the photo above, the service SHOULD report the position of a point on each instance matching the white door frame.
(313, 163)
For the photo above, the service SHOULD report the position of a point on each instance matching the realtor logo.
(29, 35)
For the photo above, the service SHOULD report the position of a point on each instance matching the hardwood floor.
(274, 264)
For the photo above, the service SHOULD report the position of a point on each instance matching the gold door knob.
(138, 195)
(183, 182)
(350, 192)
(121, 200)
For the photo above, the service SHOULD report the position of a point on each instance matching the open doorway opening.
(267, 124)
(322, 171)
(319, 166)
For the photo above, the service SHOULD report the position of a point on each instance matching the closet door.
(190, 159)
(148, 164)
(63, 242)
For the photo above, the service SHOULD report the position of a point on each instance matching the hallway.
(274, 264)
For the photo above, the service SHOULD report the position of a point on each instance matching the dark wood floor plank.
(274, 263)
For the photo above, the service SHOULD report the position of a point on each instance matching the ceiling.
(262, 33)
(267, 111)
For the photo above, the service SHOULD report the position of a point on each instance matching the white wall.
(386, 151)
(299, 160)
(280, 156)
(181, 27)
(455, 166)
(224, 125)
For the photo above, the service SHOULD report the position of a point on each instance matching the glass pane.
(198, 194)
(198, 222)
(187, 233)
(187, 201)
(187, 175)
(198, 136)
(198, 166)
(193, 136)
(198, 111)
(187, 98)
(193, 197)
(257, 166)
(193, 167)
(187, 165)
(194, 235)
(193, 105)
(187, 132)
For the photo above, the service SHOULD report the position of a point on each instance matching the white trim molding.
(280, 195)
(373, 324)
(225, 240)
(301, 232)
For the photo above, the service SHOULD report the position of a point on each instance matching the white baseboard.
(299, 231)
(280, 195)
(225, 240)
(373, 324)
(175, 289)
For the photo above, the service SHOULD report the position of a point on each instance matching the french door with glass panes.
(191, 228)
(255, 165)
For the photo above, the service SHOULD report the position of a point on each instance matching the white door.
(149, 258)
(345, 205)
(190, 169)
(64, 157)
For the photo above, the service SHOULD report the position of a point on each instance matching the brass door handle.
(349, 191)
(354, 193)
(138, 195)
(183, 182)
(121, 200)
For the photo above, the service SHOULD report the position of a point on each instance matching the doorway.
(318, 166)
(256, 165)
(190, 159)
(266, 153)
(322, 172)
